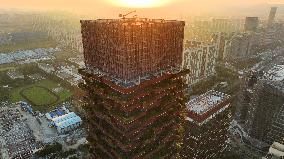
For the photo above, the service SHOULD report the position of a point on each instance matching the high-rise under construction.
(135, 100)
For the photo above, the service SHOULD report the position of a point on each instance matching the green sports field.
(41, 95)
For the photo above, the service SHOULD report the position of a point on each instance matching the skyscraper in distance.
(272, 15)
(251, 23)
(135, 89)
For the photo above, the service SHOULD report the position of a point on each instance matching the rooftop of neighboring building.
(205, 106)
(275, 77)
(194, 44)
(206, 102)
(276, 150)
(275, 74)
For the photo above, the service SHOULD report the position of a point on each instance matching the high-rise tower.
(251, 23)
(133, 78)
(265, 118)
(272, 15)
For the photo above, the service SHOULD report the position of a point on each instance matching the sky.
(109, 8)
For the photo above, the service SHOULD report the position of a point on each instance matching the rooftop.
(206, 102)
(197, 45)
(275, 77)
(66, 120)
(205, 106)
(275, 74)
(135, 19)
(277, 149)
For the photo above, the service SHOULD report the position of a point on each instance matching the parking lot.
(22, 133)
(17, 139)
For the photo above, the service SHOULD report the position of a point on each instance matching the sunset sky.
(157, 7)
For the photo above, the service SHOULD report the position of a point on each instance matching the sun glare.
(140, 3)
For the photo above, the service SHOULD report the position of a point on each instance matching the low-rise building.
(14, 74)
(48, 68)
(276, 151)
(66, 122)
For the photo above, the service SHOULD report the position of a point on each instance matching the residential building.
(272, 15)
(242, 45)
(265, 119)
(200, 58)
(251, 23)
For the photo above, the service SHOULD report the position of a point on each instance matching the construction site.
(135, 88)
(208, 121)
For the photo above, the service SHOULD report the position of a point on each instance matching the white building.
(14, 74)
(67, 122)
(48, 68)
(276, 151)
(200, 59)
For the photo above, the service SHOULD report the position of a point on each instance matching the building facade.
(272, 15)
(200, 58)
(242, 45)
(134, 83)
(265, 114)
(251, 23)
(207, 126)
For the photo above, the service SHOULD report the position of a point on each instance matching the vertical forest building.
(135, 99)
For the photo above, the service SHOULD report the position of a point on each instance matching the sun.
(139, 3)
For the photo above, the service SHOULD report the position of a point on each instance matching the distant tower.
(272, 15)
(251, 23)
(135, 102)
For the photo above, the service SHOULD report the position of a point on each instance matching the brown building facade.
(135, 101)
